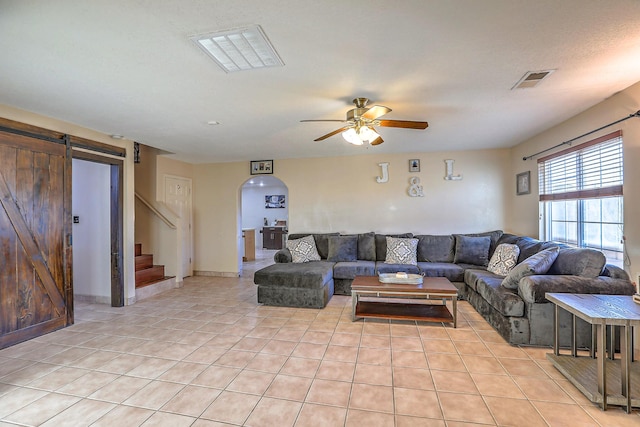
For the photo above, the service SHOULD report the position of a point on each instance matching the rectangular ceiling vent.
(239, 49)
(532, 79)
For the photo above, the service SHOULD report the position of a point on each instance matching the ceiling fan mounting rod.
(361, 102)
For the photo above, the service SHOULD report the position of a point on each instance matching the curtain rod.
(636, 114)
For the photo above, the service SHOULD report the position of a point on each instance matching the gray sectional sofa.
(521, 315)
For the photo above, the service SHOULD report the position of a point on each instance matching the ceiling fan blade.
(375, 112)
(328, 120)
(408, 124)
(342, 129)
(377, 141)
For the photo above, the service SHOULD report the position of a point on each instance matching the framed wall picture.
(414, 165)
(523, 183)
(261, 167)
(275, 201)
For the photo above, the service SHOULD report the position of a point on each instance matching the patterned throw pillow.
(303, 250)
(401, 251)
(504, 259)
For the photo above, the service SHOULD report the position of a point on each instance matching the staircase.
(147, 273)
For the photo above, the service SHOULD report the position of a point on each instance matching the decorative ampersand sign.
(415, 189)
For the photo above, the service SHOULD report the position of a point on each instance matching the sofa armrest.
(533, 288)
(282, 256)
(615, 272)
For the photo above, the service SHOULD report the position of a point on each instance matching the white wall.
(341, 194)
(254, 211)
(91, 184)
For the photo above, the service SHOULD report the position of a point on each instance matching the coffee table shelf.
(371, 298)
(404, 311)
(582, 372)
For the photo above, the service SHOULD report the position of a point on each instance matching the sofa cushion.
(507, 238)
(312, 275)
(472, 250)
(579, 262)
(535, 264)
(381, 244)
(401, 251)
(504, 259)
(451, 271)
(303, 249)
(349, 270)
(435, 248)
(473, 275)
(506, 301)
(382, 268)
(530, 246)
(322, 241)
(343, 248)
(493, 235)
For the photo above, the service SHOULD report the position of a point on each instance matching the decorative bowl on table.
(400, 278)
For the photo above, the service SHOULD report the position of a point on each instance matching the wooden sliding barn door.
(35, 258)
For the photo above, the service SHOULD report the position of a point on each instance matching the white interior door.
(178, 197)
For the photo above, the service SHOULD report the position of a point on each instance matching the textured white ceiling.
(128, 67)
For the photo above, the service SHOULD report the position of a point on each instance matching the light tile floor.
(207, 355)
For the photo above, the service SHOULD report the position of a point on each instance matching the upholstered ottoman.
(308, 285)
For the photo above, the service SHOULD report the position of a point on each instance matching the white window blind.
(590, 170)
(581, 196)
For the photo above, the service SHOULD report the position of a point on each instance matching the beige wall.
(128, 196)
(523, 211)
(341, 194)
(145, 186)
(154, 235)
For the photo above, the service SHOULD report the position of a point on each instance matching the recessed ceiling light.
(116, 136)
(532, 79)
(240, 49)
(213, 122)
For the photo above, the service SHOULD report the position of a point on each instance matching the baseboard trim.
(92, 299)
(215, 273)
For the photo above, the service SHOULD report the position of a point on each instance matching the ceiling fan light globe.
(351, 136)
(367, 134)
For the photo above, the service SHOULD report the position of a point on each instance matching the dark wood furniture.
(273, 237)
(595, 375)
(404, 301)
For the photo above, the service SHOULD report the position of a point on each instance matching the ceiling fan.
(361, 120)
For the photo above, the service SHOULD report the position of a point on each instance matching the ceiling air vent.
(532, 79)
(240, 49)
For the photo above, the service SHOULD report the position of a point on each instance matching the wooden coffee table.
(380, 300)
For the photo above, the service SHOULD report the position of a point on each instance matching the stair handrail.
(155, 211)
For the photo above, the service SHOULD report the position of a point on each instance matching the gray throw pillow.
(367, 246)
(579, 262)
(535, 264)
(401, 251)
(504, 259)
(472, 250)
(343, 248)
(303, 250)
(435, 248)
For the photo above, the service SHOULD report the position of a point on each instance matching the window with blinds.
(581, 195)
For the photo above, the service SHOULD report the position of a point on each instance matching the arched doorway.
(265, 213)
